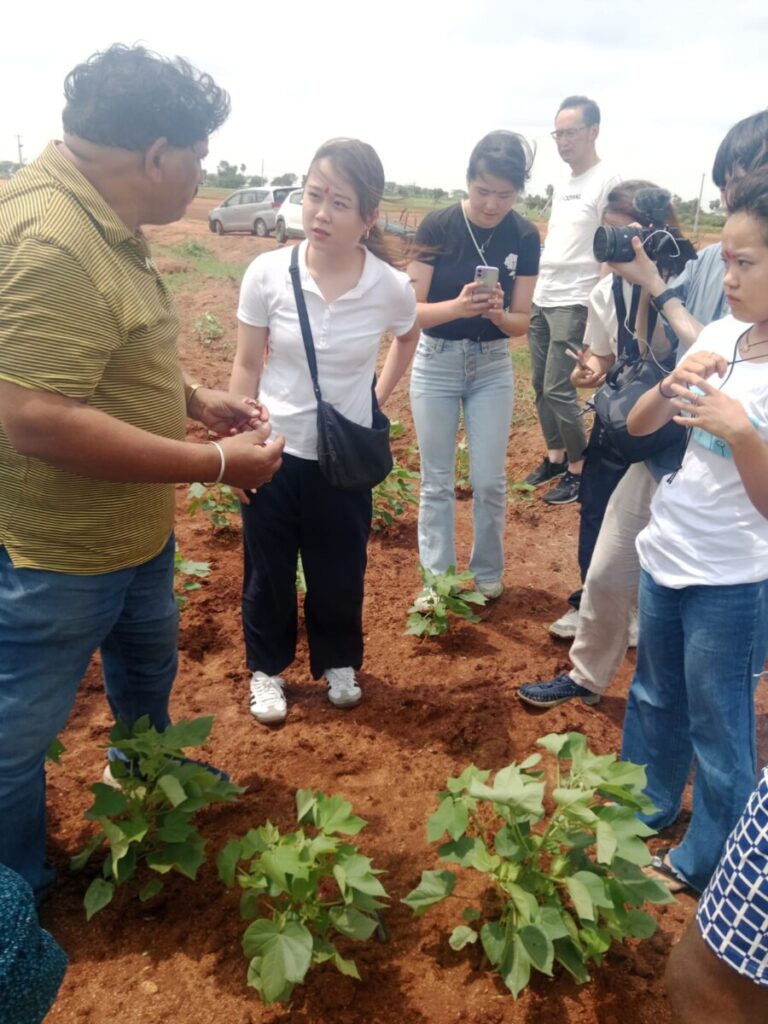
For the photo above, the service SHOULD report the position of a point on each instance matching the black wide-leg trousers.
(299, 512)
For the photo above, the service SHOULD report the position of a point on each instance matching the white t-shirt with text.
(568, 270)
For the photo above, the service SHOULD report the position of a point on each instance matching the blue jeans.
(701, 653)
(448, 375)
(50, 625)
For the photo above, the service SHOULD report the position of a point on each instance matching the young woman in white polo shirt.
(704, 558)
(354, 294)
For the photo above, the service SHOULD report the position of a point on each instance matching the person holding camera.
(463, 361)
(704, 564)
(569, 272)
(601, 626)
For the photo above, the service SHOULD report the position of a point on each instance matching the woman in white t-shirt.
(353, 295)
(704, 559)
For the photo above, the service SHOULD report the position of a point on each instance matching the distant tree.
(227, 175)
(7, 168)
(257, 181)
(714, 205)
(438, 193)
(459, 193)
(285, 179)
(391, 186)
(550, 190)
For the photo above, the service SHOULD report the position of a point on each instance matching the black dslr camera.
(663, 242)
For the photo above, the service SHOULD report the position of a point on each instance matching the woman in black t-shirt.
(463, 363)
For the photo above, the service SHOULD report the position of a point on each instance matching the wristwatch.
(657, 301)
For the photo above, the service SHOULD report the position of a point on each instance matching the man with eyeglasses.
(567, 274)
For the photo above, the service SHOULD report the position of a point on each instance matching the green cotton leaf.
(187, 733)
(568, 954)
(462, 782)
(55, 749)
(530, 762)
(282, 861)
(334, 814)
(539, 947)
(452, 816)
(151, 889)
(507, 845)
(285, 952)
(493, 936)
(227, 862)
(185, 857)
(628, 830)
(575, 804)
(433, 887)
(462, 851)
(108, 802)
(98, 894)
(482, 860)
(607, 843)
(595, 886)
(118, 842)
(636, 885)
(346, 967)
(517, 973)
(360, 875)
(629, 798)
(306, 801)
(554, 742)
(520, 793)
(462, 936)
(351, 922)
(582, 900)
(78, 862)
(470, 914)
(173, 789)
(177, 826)
(552, 921)
(525, 902)
(638, 924)
(627, 774)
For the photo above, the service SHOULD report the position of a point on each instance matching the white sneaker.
(491, 589)
(343, 691)
(633, 630)
(566, 625)
(268, 703)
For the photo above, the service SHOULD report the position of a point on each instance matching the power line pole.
(20, 147)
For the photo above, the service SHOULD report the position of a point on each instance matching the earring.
(367, 233)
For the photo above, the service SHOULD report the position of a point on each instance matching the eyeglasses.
(567, 133)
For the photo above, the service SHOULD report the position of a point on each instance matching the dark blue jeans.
(701, 653)
(50, 625)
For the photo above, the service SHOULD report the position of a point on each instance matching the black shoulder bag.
(632, 375)
(351, 457)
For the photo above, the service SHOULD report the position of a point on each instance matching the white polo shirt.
(346, 333)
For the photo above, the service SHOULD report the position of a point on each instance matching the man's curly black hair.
(129, 97)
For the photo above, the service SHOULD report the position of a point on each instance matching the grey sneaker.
(343, 690)
(268, 704)
(490, 589)
(551, 692)
(565, 491)
(565, 627)
(545, 472)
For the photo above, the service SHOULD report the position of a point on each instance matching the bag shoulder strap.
(306, 330)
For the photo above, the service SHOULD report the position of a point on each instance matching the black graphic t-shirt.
(514, 248)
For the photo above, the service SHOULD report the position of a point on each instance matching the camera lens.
(614, 245)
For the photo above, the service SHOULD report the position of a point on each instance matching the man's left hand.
(227, 414)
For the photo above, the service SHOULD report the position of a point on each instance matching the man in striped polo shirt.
(92, 417)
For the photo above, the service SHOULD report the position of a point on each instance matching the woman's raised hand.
(474, 300)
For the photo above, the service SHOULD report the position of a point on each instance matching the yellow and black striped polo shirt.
(83, 313)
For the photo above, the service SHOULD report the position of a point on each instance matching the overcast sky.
(423, 80)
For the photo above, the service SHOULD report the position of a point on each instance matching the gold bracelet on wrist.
(189, 392)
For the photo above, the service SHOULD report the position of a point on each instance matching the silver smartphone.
(487, 277)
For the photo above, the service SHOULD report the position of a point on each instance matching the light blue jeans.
(700, 655)
(50, 625)
(449, 376)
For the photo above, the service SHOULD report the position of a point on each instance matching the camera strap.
(627, 347)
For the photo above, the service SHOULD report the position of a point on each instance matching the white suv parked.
(288, 223)
(248, 209)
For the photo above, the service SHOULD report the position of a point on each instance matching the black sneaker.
(551, 692)
(565, 491)
(545, 472)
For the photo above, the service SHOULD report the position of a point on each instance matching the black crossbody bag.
(350, 457)
(629, 379)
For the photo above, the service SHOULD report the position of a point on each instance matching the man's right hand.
(249, 462)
